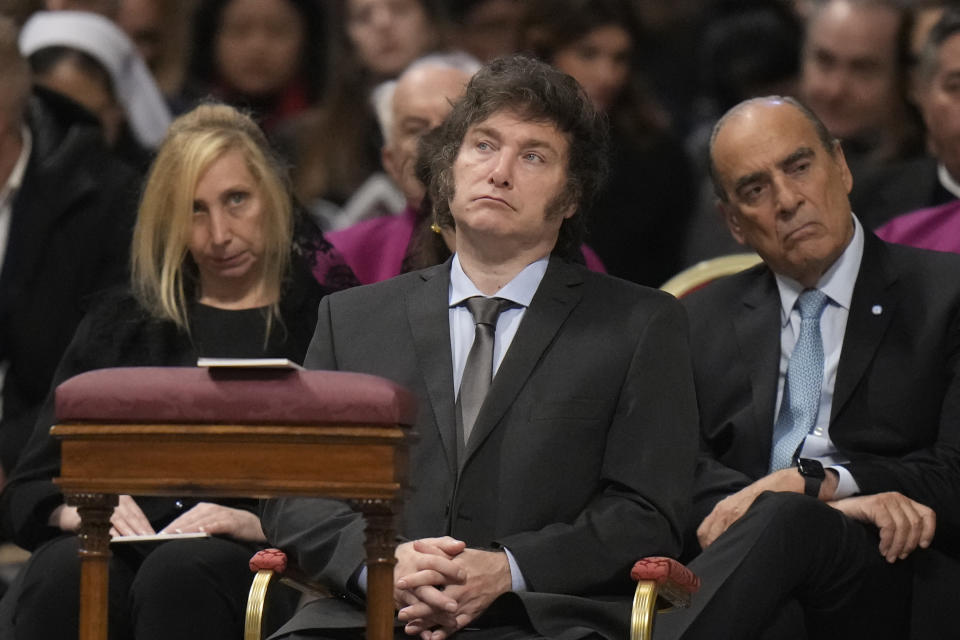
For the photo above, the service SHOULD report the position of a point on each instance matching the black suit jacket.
(896, 406)
(580, 460)
(69, 237)
(881, 193)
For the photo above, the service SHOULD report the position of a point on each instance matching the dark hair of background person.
(350, 80)
(487, 29)
(905, 58)
(749, 48)
(338, 12)
(14, 68)
(551, 25)
(160, 29)
(427, 246)
(15, 74)
(201, 66)
(339, 142)
(537, 92)
(640, 220)
(911, 139)
(121, 140)
(19, 10)
(44, 60)
(947, 26)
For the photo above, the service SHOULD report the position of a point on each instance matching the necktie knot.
(811, 303)
(487, 310)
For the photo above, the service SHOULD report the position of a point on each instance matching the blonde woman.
(215, 272)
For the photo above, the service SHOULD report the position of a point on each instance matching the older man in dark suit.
(66, 214)
(830, 370)
(529, 502)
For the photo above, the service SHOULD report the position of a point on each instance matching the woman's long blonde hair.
(162, 271)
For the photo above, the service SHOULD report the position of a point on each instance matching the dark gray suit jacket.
(896, 406)
(581, 458)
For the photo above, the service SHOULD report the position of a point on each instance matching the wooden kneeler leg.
(253, 624)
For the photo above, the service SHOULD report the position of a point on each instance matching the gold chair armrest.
(663, 578)
(644, 610)
(253, 623)
(269, 567)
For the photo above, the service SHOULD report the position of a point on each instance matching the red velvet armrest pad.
(238, 396)
(664, 570)
(269, 559)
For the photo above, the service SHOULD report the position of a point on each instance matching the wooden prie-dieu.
(233, 432)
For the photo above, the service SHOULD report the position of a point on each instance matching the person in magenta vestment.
(936, 228)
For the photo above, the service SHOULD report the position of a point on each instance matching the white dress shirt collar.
(837, 282)
(947, 181)
(520, 290)
(20, 168)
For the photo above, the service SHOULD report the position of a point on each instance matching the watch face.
(810, 468)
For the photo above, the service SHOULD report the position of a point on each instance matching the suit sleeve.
(30, 495)
(713, 482)
(320, 353)
(735, 369)
(647, 470)
(323, 537)
(930, 475)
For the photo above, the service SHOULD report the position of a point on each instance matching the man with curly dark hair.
(534, 492)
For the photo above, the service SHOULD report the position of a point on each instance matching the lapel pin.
(876, 310)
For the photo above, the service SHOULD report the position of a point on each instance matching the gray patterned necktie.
(801, 390)
(478, 370)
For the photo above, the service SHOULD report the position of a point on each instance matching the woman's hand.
(128, 519)
(217, 519)
(65, 518)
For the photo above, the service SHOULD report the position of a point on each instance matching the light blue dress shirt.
(520, 291)
(837, 283)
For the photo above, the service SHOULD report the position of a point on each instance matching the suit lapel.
(558, 294)
(757, 327)
(427, 310)
(871, 309)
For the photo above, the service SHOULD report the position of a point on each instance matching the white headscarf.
(147, 113)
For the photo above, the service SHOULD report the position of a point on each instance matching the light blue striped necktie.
(801, 390)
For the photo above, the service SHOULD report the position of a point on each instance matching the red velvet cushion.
(238, 396)
(269, 559)
(666, 570)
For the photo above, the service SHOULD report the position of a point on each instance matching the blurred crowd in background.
(319, 77)
(662, 71)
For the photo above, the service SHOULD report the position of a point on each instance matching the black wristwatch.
(813, 475)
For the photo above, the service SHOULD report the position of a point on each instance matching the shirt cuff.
(517, 582)
(846, 485)
(362, 579)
